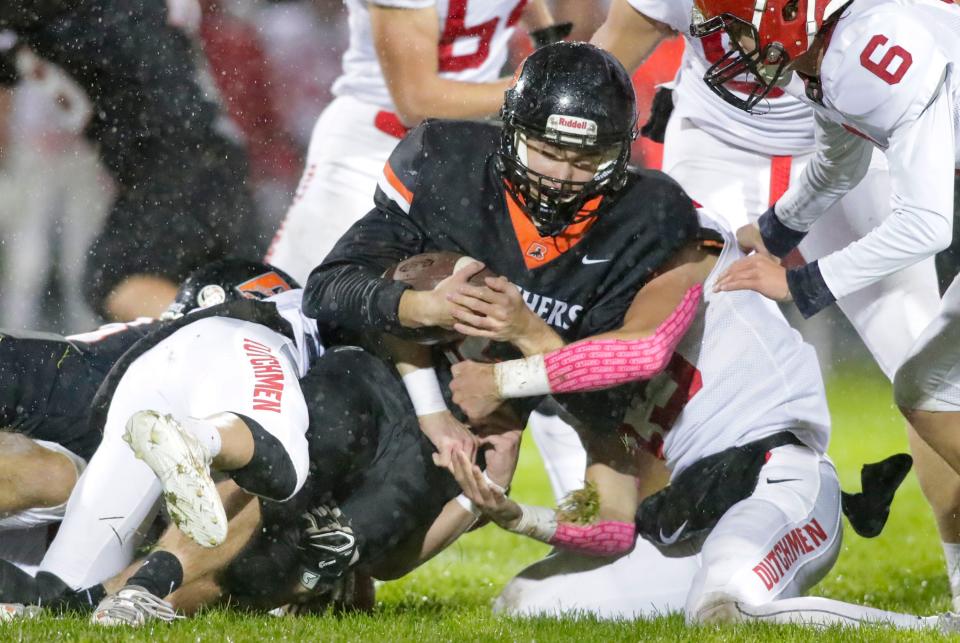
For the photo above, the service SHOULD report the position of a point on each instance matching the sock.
(160, 574)
(206, 432)
(17, 586)
(951, 552)
(82, 600)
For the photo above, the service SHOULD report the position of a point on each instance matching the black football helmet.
(228, 280)
(571, 95)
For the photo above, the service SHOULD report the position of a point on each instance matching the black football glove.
(327, 546)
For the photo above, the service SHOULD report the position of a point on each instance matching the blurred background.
(272, 64)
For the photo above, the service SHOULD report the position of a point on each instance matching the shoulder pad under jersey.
(882, 68)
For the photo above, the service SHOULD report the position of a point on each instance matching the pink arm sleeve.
(605, 538)
(595, 364)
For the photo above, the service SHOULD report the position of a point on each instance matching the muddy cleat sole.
(183, 467)
(132, 606)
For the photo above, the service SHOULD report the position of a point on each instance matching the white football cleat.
(132, 606)
(183, 466)
(18, 611)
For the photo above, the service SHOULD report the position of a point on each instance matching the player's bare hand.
(501, 453)
(448, 434)
(434, 307)
(757, 272)
(474, 389)
(488, 498)
(750, 240)
(495, 310)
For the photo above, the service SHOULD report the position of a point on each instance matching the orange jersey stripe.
(396, 184)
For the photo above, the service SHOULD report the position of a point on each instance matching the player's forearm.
(536, 15)
(436, 97)
(629, 35)
(919, 226)
(598, 363)
(354, 297)
(839, 164)
(452, 522)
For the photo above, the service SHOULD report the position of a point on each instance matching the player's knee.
(907, 390)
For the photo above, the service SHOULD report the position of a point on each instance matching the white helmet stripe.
(758, 9)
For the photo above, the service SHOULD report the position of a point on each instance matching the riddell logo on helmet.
(571, 125)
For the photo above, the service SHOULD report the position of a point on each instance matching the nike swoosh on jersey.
(674, 537)
(776, 480)
(588, 261)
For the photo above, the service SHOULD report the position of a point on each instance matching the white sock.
(824, 612)
(951, 552)
(206, 432)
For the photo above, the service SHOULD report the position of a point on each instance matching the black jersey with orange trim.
(440, 190)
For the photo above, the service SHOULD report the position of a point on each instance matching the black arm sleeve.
(347, 291)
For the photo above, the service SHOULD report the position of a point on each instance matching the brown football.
(424, 272)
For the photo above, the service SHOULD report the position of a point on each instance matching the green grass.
(449, 598)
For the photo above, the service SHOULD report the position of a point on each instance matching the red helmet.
(765, 35)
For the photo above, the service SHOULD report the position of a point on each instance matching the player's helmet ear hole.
(572, 96)
(790, 10)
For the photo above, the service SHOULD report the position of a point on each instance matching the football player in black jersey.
(546, 201)
(48, 382)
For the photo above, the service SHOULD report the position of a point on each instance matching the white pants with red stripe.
(769, 549)
(739, 185)
(345, 159)
(208, 367)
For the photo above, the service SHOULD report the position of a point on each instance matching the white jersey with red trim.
(889, 79)
(740, 373)
(786, 129)
(473, 47)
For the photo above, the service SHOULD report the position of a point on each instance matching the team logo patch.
(262, 286)
(558, 125)
(537, 251)
(211, 295)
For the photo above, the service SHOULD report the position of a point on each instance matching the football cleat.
(132, 606)
(182, 465)
(17, 611)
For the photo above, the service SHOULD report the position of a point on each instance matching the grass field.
(449, 598)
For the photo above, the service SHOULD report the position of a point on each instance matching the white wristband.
(467, 504)
(423, 387)
(522, 378)
(539, 523)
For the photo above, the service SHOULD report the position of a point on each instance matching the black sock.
(160, 574)
(83, 600)
(17, 586)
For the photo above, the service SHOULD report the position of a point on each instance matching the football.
(424, 272)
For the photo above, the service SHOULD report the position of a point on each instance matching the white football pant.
(202, 369)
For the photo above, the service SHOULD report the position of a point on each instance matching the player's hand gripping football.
(496, 311)
(434, 307)
(491, 499)
(474, 389)
(448, 435)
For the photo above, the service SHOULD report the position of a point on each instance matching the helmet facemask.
(553, 203)
(765, 68)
